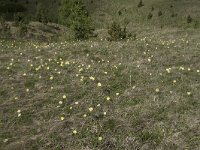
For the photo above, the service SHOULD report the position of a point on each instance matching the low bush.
(5, 28)
(189, 19)
(140, 4)
(116, 32)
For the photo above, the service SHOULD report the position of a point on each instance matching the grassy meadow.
(139, 93)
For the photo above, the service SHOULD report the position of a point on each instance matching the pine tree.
(74, 15)
(189, 19)
(65, 10)
(41, 14)
(116, 32)
(140, 4)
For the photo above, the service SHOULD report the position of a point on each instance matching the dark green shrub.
(160, 13)
(21, 21)
(5, 28)
(119, 12)
(23, 29)
(75, 15)
(116, 32)
(41, 14)
(196, 24)
(65, 11)
(17, 18)
(173, 15)
(12, 8)
(150, 15)
(140, 4)
(189, 19)
(82, 29)
(21, 18)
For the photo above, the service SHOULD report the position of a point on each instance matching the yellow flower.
(62, 118)
(5, 140)
(157, 90)
(60, 102)
(174, 81)
(84, 115)
(117, 94)
(168, 70)
(51, 78)
(80, 69)
(100, 138)
(181, 68)
(19, 111)
(188, 93)
(108, 98)
(67, 63)
(76, 103)
(99, 84)
(92, 78)
(90, 109)
(64, 96)
(74, 132)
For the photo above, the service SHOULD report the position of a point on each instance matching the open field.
(100, 95)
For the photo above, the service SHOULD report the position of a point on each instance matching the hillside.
(174, 12)
(62, 92)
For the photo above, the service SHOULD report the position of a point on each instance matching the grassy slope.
(137, 118)
(104, 11)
